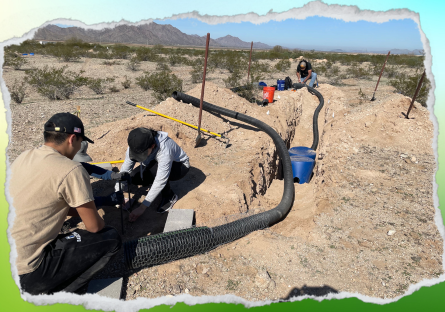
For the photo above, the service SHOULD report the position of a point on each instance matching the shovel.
(198, 138)
(373, 98)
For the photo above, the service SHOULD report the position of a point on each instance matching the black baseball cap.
(67, 123)
(139, 141)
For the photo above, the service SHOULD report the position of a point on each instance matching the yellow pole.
(108, 162)
(174, 119)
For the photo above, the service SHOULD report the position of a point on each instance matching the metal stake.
(198, 138)
(415, 95)
(373, 98)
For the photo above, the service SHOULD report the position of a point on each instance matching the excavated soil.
(363, 224)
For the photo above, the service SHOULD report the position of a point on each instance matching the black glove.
(120, 176)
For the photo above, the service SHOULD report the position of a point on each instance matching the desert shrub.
(158, 49)
(407, 85)
(120, 51)
(77, 42)
(390, 71)
(14, 61)
(321, 69)
(328, 64)
(55, 83)
(234, 62)
(146, 54)
(215, 60)
(282, 65)
(109, 63)
(143, 81)
(197, 70)
(126, 83)
(113, 89)
(234, 79)
(63, 53)
(26, 46)
(104, 55)
(162, 83)
(18, 91)
(174, 59)
(162, 66)
(98, 85)
(362, 96)
(355, 71)
(333, 72)
(134, 64)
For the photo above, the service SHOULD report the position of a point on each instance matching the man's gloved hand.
(120, 176)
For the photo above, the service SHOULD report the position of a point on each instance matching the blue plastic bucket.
(280, 85)
(302, 168)
(302, 151)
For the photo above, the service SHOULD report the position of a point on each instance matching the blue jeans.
(313, 77)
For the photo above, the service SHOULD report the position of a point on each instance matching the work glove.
(120, 176)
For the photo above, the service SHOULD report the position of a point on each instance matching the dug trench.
(364, 223)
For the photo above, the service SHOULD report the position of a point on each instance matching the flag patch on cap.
(77, 130)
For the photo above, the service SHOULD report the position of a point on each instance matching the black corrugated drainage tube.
(162, 248)
(316, 112)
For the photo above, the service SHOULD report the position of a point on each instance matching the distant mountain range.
(393, 51)
(149, 34)
(153, 33)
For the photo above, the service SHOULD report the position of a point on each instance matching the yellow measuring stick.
(174, 119)
(108, 162)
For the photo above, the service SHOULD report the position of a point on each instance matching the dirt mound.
(234, 174)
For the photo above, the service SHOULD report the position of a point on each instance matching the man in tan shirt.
(47, 185)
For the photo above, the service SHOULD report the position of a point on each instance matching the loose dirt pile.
(365, 222)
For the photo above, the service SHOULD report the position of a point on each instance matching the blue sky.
(312, 33)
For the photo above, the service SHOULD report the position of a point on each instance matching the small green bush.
(120, 51)
(355, 71)
(14, 61)
(162, 66)
(146, 54)
(134, 64)
(55, 83)
(333, 72)
(126, 83)
(390, 71)
(407, 86)
(18, 91)
(143, 81)
(98, 85)
(234, 79)
(283, 65)
(109, 63)
(64, 53)
(162, 83)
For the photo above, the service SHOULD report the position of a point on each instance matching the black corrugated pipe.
(162, 248)
(316, 112)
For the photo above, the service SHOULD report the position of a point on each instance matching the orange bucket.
(268, 93)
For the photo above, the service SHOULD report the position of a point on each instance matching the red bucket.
(268, 93)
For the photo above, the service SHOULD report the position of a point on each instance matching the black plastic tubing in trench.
(288, 195)
(157, 249)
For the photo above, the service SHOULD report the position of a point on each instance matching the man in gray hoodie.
(161, 161)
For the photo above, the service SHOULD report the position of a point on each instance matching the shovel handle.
(174, 119)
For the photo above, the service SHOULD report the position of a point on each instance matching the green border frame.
(19, 17)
